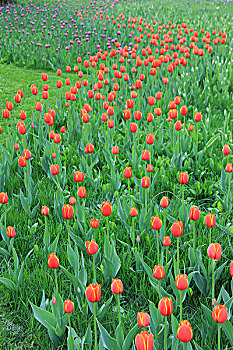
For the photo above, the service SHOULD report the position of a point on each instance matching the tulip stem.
(157, 235)
(94, 311)
(213, 280)
(107, 229)
(145, 202)
(159, 289)
(69, 322)
(194, 236)
(94, 272)
(164, 219)
(178, 255)
(197, 138)
(181, 306)
(129, 188)
(133, 235)
(210, 236)
(56, 284)
(184, 346)
(165, 334)
(166, 254)
(68, 230)
(119, 307)
(219, 335)
(134, 151)
(5, 219)
(84, 217)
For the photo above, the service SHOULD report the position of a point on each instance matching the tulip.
(214, 253)
(10, 232)
(94, 223)
(78, 176)
(4, 200)
(184, 332)
(93, 294)
(181, 283)
(133, 213)
(159, 274)
(177, 231)
(72, 201)
(144, 341)
(226, 150)
(68, 306)
(194, 214)
(106, 210)
(219, 316)
(165, 309)
(53, 263)
(92, 249)
(143, 319)
(210, 222)
(117, 288)
(67, 213)
(156, 224)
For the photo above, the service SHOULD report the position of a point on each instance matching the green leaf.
(210, 320)
(8, 283)
(228, 329)
(104, 308)
(119, 334)
(44, 317)
(109, 342)
(130, 337)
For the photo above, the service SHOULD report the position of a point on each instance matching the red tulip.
(127, 173)
(53, 261)
(92, 247)
(22, 161)
(54, 169)
(164, 203)
(166, 241)
(215, 251)
(143, 319)
(68, 306)
(194, 213)
(133, 212)
(183, 178)
(156, 222)
(220, 314)
(177, 228)
(145, 182)
(82, 192)
(181, 282)
(78, 176)
(67, 211)
(94, 223)
(166, 306)
(144, 341)
(45, 210)
(116, 286)
(106, 208)
(93, 292)
(3, 197)
(10, 232)
(184, 332)
(210, 220)
(231, 269)
(158, 272)
(226, 150)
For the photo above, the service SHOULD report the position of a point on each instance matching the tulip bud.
(190, 128)
(53, 261)
(10, 232)
(194, 213)
(184, 110)
(149, 168)
(158, 272)
(178, 125)
(82, 192)
(183, 178)
(94, 223)
(115, 150)
(93, 292)
(166, 241)
(133, 212)
(127, 173)
(210, 220)
(156, 222)
(145, 182)
(145, 155)
(226, 150)
(144, 341)
(54, 155)
(220, 314)
(78, 176)
(164, 203)
(150, 139)
(166, 306)
(214, 251)
(54, 301)
(143, 319)
(72, 201)
(133, 127)
(16, 146)
(3, 198)
(92, 247)
(68, 306)
(184, 332)
(181, 282)
(116, 286)
(67, 211)
(45, 210)
(106, 208)
(138, 239)
(22, 161)
(54, 169)
(198, 117)
(229, 168)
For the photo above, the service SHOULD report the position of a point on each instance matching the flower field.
(116, 194)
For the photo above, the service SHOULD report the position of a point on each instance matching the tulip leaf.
(44, 317)
(104, 308)
(130, 337)
(119, 334)
(210, 320)
(228, 329)
(109, 342)
(8, 283)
